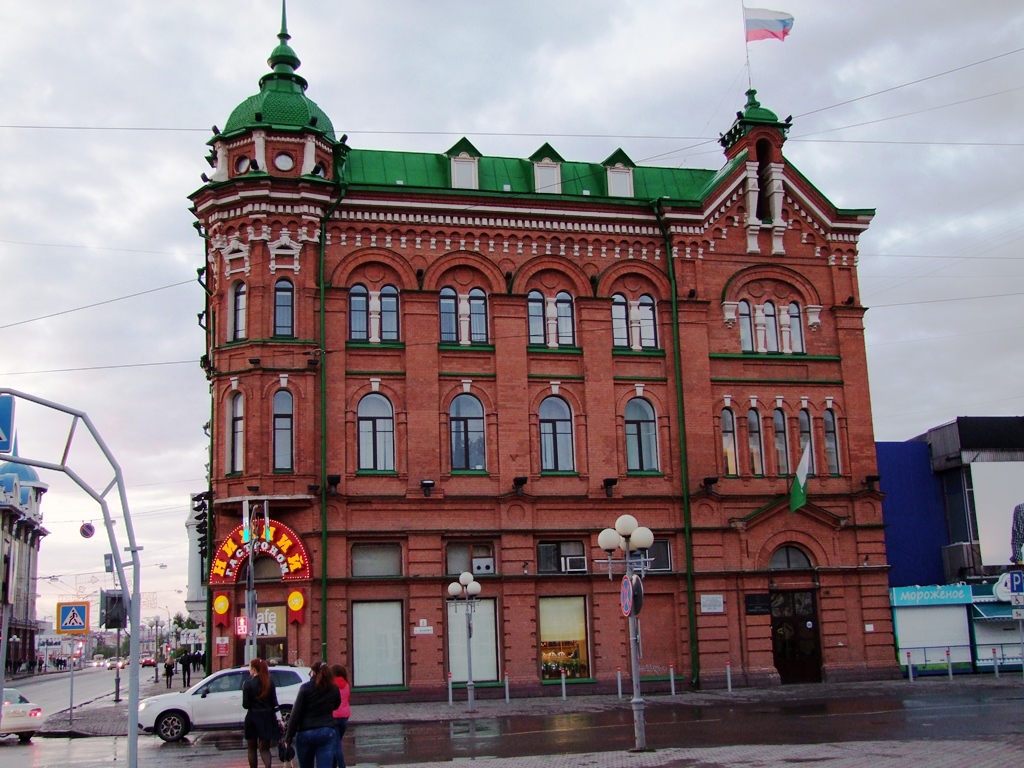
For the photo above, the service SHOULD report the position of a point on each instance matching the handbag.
(285, 752)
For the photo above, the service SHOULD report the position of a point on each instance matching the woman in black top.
(311, 724)
(259, 700)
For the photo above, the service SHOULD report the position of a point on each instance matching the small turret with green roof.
(753, 116)
(282, 103)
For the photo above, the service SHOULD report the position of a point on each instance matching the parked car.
(113, 662)
(20, 716)
(147, 661)
(214, 703)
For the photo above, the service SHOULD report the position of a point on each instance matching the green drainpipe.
(691, 608)
(322, 288)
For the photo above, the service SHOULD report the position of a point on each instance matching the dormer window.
(620, 181)
(464, 172)
(547, 176)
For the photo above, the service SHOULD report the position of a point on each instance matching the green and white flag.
(798, 493)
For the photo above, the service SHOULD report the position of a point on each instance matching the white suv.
(215, 703)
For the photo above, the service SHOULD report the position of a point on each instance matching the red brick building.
(423, 364)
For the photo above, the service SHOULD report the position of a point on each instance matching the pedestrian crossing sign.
(74, 618)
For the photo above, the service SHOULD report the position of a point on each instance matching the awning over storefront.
(992, 612)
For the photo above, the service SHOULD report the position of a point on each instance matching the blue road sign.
(73, 618)
(6, 423)
(1016, 582)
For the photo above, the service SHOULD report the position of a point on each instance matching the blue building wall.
(913, 512)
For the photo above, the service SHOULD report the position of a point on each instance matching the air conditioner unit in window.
(574, 564)
(483, 565)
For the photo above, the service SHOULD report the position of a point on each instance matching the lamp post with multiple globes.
(630, 536)
(467, 589)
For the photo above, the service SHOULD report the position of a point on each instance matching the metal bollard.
(449, 689)
(672, 677)
(949, 665)
(618, 675)
(563, 683)
(910, 668)
(995, 663)
(728, 675)
(506, 687)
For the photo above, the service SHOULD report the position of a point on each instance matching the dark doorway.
(796, 644)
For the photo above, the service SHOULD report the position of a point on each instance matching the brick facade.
(759, 233)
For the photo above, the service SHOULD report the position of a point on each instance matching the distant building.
(950, 495)
(21, 492)
(423, 364)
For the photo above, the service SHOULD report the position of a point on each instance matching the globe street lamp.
(628, 535)
(467, 588)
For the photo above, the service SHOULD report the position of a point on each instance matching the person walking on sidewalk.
(259, 700)
(342, 713)
(311, 725)
(169, 670)
(186, 669)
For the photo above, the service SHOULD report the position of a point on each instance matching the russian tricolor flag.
(763, 24)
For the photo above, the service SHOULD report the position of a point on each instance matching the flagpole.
(746, 43)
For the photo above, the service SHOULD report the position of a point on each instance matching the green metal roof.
(373, 167)
(282, 103)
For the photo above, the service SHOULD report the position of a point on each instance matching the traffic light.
(112, 613)
(200, 505)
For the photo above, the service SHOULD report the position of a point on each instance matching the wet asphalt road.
(902, 715)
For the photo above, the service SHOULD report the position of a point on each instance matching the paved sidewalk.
(105, 718)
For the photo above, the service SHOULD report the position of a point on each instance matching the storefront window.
(485, 642)
(563, 638)
(378, 651)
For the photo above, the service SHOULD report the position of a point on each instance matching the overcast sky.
(911, 108)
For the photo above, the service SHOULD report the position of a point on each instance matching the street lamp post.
(468, 589)
(628, 535)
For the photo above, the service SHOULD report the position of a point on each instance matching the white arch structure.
(131, 601)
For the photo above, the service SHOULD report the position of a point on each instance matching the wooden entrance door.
(796, 643)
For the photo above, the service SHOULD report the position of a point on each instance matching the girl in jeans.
(342, 713)
(311, 725)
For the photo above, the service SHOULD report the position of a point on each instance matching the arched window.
(746, 327)
(283, 435)
(284, 308)
(789, 558)
(376, 426)
(477, 316)
(236, 434)
(796, 328)
(389, 313)
(641, 437)
(449, 311)
(831, 442)
(729, 442)
(620, 322)
(535, 312)
(771, 327)
(555, 435)
(466, 418)
(648, 323)
(806, 439)
(566, 329)
(358, 313)
(237, 330)
(755, 443)
(781, 442)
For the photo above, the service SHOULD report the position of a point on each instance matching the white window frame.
(462, 163)
(547, 177)
(620, 181)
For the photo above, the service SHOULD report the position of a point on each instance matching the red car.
(147, 661)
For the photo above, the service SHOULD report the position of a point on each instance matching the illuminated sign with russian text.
(282, 545)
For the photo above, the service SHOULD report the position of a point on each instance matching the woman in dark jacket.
(259, 700)
(311, 724)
